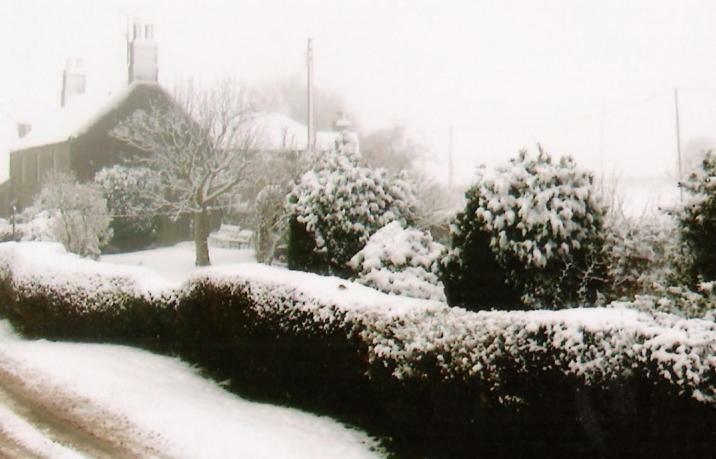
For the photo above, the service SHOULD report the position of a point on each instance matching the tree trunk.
(201, 235)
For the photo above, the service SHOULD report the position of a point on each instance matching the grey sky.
(592, 79)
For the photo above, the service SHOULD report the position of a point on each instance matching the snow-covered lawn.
(165, 404)
(176, 263)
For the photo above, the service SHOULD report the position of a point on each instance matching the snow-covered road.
(62, 400)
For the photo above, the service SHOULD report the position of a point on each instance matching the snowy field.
(152, 405)
(176, 263)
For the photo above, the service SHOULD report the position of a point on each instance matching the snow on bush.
(337, 206)
(126, 191)
(697, 221)
(5, 230)
(34, 224)
(400, 261)
(80, 220)
(543, 224)
(679, 300)
(642, 255)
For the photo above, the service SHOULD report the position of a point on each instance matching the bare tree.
(199, 150)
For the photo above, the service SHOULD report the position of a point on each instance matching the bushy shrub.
(32, 224)
(472, 277)
(439, 381)
(679, 300)
(540, 222)
(336, 207)
(697, 221)
(270, 221)
(642, 255)
(126, 190)
(6, 233)
(400, 261)
(78, 214)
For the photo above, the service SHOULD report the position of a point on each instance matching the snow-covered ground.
(176, 263)
(150, 405)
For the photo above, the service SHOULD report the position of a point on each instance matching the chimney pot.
(73, 80)
(23, 129)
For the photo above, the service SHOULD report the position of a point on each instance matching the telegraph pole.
(678, 142)
(309, 60)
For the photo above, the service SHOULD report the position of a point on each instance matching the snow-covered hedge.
(47, 292)
(400, 261)
(442, 382)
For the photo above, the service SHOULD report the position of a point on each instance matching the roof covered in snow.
(75, 118)
(281, 132)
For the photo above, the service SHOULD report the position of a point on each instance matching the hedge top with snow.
(413, 339)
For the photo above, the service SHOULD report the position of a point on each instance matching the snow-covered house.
(278, 132)
(75, 135)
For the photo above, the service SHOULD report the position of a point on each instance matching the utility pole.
(450, 144)
(310, 144)
(678, 142)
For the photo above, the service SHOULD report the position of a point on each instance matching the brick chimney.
(73, 80)
(142, 59)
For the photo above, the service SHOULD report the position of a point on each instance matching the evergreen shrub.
(540, 222)
(336, 207)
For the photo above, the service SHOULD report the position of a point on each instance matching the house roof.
(75, 118)
(280, 132)
(276, 131)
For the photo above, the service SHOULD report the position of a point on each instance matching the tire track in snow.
(65, 419)
(11, 449)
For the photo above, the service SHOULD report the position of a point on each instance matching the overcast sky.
(586, 78)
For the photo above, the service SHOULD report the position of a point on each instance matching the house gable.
(78, 141)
